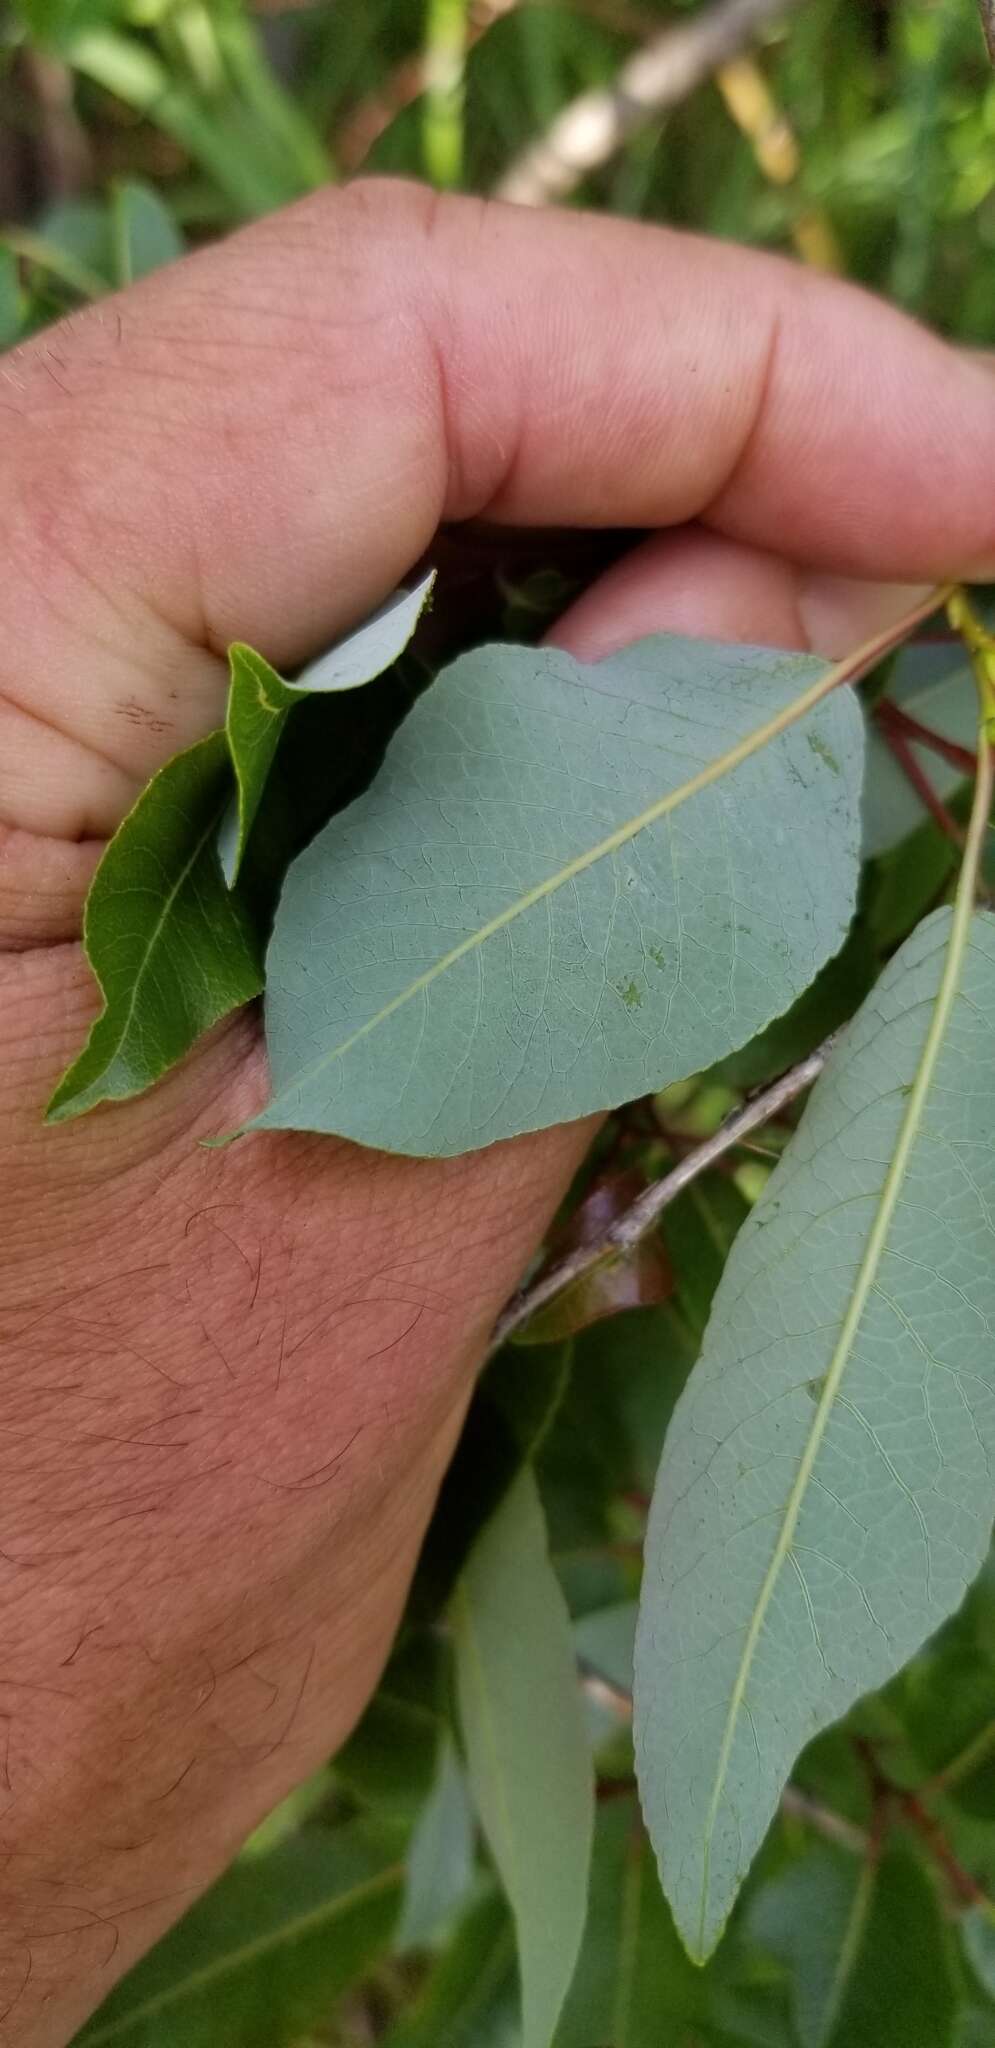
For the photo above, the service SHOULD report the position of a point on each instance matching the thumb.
(259, 442)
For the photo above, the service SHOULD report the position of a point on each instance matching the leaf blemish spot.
(825, 753)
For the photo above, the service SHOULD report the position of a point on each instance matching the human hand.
(232, 1380)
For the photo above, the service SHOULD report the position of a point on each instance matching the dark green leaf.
(511, 1412)
(634, 1986)
(12, 306)
(813, 1917)
(471, 1999)
(264, 1955)
(906, 883)
(389, 1762)
(566, 887)
(978, 1935)
(900, 1992)
(172, 949)
(865, 1947)
(527, 1753)
(260, 702)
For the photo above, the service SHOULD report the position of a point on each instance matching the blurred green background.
(859, 134)
(862, 131)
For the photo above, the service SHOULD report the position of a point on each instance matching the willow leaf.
(260, 702)
(527, 1754)
(826, 1490)
(866, 1948)
(813, 1918)
(262, 1957)
(567, 885)
(440, 1854)
(634, 1986)
(172, 949)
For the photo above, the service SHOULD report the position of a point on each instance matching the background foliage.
(861, 133)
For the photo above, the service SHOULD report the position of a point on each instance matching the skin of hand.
(231, 1380)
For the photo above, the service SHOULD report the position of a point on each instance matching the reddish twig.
(963, 1886)
(916, 775)
(892, 718)
(623, 1234)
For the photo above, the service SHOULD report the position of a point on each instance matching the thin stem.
(591, 129)
(798, 1805)
(900, 750)
(891, 715)
(443, 70)
(625, 1231)
(60, 263)
(965, 1888)
(966, 1761)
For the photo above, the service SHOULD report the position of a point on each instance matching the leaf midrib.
(724, 764)
(464, 1609)
(239, 1959)
(866, 1275)
(853, 1932)
(152, 943)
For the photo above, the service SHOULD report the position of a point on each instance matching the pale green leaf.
(260, 702)
(172, 949)
(527, 1753)
(825, 1495)
(604, 1642)
(566, 886)
(440, 1854)
(264, 1954)
(977, 1930)
(144, 233)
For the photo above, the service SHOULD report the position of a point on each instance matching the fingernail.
(838, 612)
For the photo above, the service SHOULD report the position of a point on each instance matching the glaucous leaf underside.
(566, 887)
